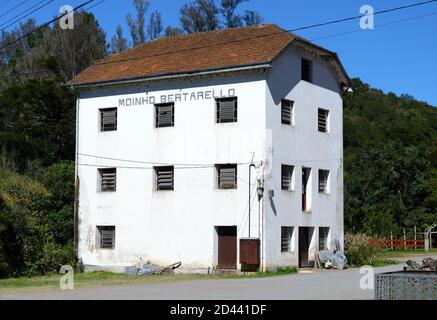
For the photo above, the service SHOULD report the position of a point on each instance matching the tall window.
(287, 177)
(323, 238)
(287, 112)
(323, 181)
(306, 184)
(226, 110)
(286, 235)
(164, 115)
(164, 178)
(108, 119)
(106, 237)
(323, 120)
(107, 179)
(226, 176)
(306, 70)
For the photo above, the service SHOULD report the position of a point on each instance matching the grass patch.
(383, 262)
(279, 272)
(387, 254)
(93, 279)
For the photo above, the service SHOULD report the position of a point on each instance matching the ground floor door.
(227, 247)
(304, 246)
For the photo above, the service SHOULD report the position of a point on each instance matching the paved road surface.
(320, 284)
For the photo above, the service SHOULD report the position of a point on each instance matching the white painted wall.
(301, 145)
(167, 226)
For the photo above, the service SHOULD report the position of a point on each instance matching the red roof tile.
(188, 53)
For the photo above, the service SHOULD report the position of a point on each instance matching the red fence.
(397, 244)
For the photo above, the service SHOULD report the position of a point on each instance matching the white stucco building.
(166, 133)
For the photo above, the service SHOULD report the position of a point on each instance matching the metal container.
(406, 285)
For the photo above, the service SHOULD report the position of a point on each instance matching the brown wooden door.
(227, 247)
(304, 245)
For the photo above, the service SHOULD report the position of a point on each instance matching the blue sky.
(401, 57)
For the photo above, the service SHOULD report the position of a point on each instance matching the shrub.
(357, 249)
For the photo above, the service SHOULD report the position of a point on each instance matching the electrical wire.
(94, 5)
(360, 16)
(25, 16)
(378, 26)
(151, 162)
(46, 24)
(13, 8)
(238, 40)
(102, 62)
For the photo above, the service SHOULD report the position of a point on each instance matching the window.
(323, 238)
(107, 179)
(323, 120)
(287, 177)
(287, 112)
(306, 189)
(226, 110)
(164, 177)
(306, 70)
(108, 119)
(323, 181)
(164, 115)
(226, 176)
(286, 234)
(106, 237)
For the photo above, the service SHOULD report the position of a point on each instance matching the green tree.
(137, 26)
(199, 15)
(37, 124)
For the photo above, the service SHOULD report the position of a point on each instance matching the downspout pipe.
(250, 185)
(76, 184)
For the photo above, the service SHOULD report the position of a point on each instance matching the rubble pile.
(428, 264)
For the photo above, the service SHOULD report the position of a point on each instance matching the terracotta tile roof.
(189, 53)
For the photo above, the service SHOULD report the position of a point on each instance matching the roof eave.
(169, 76)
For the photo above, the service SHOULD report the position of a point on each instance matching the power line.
(379, 26)
(360, 16)
(13, 8)
(152, 162)
(150, 168)
(21, 18)
(95, 5)
(46, 24)
(205, 46)
(192, 164)
(271, 34)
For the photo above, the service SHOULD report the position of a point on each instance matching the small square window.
(323, 181)
(323, 120)
(307, 70)
(107, 179)
(226, 110)
(164, 115)
(287, 177)
(226, 176)
(164, 177)
(108, 119)
(287, 112)
(286, 236)
(106, 237)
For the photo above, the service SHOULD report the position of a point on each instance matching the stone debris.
(428, 264)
